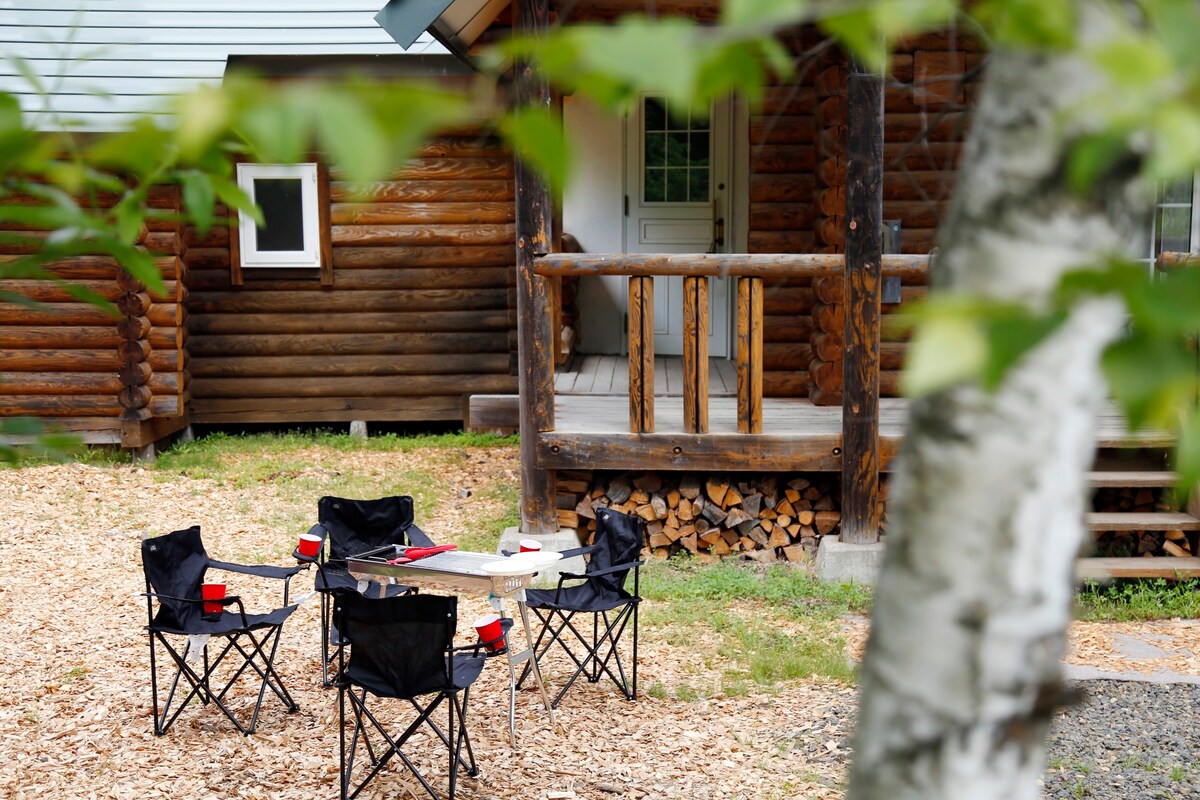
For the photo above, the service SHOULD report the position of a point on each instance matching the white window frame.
(250, 255)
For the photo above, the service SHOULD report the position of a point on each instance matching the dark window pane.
(656, 114)
(699, 152)
(283, 214)
(656, 149)
(677, 185)
(655, 191)
(698, 185)
(677, 149)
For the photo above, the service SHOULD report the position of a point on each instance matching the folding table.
(460, 571)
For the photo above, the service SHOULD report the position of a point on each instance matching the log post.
(750, 355)
(695, 355)
(535, 341)
(864, 251)
(641, 355)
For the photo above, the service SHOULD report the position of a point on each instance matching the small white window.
(290, 235)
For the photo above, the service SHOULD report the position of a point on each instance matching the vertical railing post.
(864, 258)
(750, 355)
(641, 355)
(695, 354)
(535, 341)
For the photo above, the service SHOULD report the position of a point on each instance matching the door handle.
(718, 240)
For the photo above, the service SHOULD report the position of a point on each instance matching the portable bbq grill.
(459, 571)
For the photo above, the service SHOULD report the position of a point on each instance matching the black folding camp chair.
(349, 528)
(401, 649)
(175, 565)
(603, 597)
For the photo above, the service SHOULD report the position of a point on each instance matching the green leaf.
(762, 14)
(1134, 61)
(856, 31)
(661, 55)
(276, 131)
(1028, 24)
(1093, 156)
(352, 136)
(537, 137)
(1187, 452)
(1176, 144)
(234, 197)
(946, 349)
(199, 197)
(1011, 334)
(202, 117)
(1150, 377)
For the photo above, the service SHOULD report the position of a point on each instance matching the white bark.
(962, 668)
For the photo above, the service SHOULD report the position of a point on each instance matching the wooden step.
(1132, 479)
(1158, 567)
(1141, 521)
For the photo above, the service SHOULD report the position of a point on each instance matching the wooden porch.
(592, 431)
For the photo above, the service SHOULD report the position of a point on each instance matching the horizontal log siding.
(928, 93)
(70, 360)
(420, 313)
(783, 141)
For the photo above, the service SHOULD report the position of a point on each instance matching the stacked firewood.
(1145, 542)
(761, 517)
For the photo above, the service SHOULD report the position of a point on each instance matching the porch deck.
(591, 426)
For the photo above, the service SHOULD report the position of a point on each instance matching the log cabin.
(717, 337)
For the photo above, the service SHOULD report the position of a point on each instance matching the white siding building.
(98, 62)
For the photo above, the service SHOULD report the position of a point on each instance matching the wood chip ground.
(75, 699)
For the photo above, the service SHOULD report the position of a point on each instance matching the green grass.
(485, 536)
(767, 624)
(1135, 600)
(780, 586)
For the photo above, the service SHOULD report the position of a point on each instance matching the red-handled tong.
(414, 553)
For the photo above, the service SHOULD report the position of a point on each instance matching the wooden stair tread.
(1158, 567)
(1133, 479)
(1141, 521)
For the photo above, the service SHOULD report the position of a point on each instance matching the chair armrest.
(227, 600)
(258, 570)
(418, 537)
(315, 530)
(614, 568)
(263, 571)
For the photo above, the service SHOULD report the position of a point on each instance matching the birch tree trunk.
(962, 668)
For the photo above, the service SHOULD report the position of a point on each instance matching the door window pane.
(680, 143)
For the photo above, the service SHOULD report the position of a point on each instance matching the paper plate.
(508, 566)
(538, 559)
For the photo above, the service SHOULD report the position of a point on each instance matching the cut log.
(796, 554)
(779, 538)
(826, 521)
(689, 487)
(716, 490)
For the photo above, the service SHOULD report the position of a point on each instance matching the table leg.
(537, 671)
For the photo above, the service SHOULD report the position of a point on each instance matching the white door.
(677, 198)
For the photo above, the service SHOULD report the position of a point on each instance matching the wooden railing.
(696, 270)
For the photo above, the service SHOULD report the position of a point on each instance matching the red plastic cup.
(213, 591)
(530, 545)
(490, 631)
(310, 545)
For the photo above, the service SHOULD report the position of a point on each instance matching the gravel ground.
(1132, 741)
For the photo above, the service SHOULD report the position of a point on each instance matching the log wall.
(93, 371)
(783, 161)
(420, 312)
(927, 95)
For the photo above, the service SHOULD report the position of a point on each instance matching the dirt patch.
(74, 661)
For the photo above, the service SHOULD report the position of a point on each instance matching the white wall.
(102, 61)
(593, 212)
